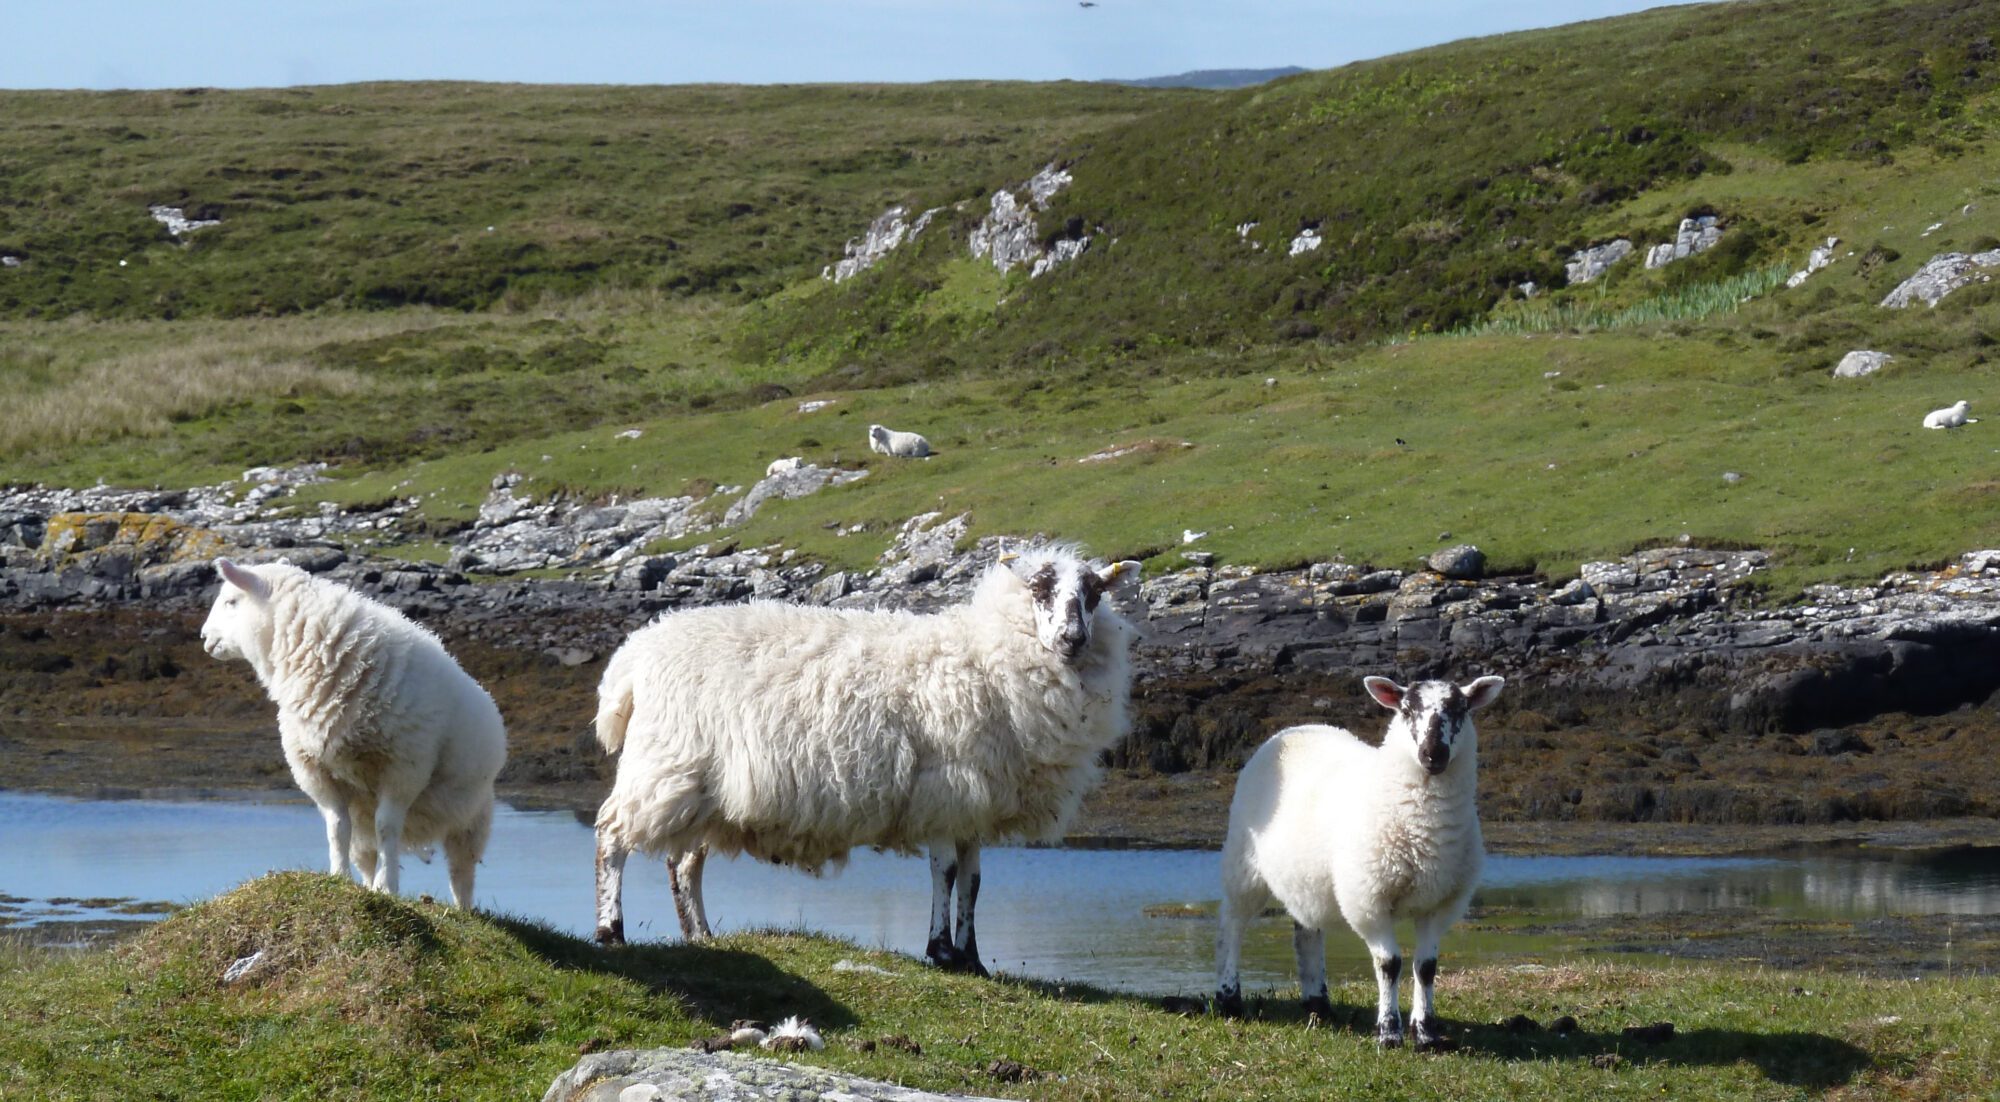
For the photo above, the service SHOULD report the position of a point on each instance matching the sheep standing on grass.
(906, 445)
(385, 732)
(1326, 825)
(1950, 417)
(794, 734)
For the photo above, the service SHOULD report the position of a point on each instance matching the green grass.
(1574, 426)
(368, 997)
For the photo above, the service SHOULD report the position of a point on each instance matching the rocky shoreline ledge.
(1649, 688)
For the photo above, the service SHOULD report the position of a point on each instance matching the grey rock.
(802, 481)
(1940, 276)
(682, 1074)
(1575, 592)
(1585, 265)
(1462, 561)
(1858, 363)
(889, 230)
(1007, 235)
(1820, 257)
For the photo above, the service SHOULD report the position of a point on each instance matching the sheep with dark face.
(796, 733)
(1329, 826)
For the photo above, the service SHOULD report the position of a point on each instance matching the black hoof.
(1321, 1007)
(1388, 1035)
(1431, 1037)
(613, 934)
(1229, 1004)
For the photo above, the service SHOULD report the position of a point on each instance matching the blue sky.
(262, 43)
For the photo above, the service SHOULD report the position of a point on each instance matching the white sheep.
(796, 733)
(1950, 417)
(380, 726)
(1326, 824)
(784, 466)
(907, 445)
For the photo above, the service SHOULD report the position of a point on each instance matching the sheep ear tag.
(243, 579)
(1120, 571)
(1386, 692)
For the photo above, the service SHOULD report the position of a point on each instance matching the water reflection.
(1076, 915)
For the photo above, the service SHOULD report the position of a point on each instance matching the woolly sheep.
(1950, 417)
(907, 445)
(784, 466)
(380, 726)
(796, 733)
(1325, 823)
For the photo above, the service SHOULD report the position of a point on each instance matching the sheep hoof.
(1321, 1007)
(1431, 1037)
(614, 934)
(1388, 1035)
(1229, 1004)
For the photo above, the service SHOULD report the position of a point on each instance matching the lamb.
(796, 733)
(1950, 417)
(390, 738)
(907, 445)
(784, 466)
(1322, 821)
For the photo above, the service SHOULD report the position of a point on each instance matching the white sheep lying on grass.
(1326, 825)
(907, 445)
(784, 466)
(796, 733)
(1950, 417)
(383, 730)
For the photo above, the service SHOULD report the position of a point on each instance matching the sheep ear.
(1386, 692)
(243, 578)
(1483, 691)
(1124, 570)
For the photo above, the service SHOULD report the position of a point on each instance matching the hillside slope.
(457, 195)
(1442, 180)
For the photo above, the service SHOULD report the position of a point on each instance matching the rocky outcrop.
(177, 222)
(883, 236)
(653, 1075)
(1007, 234)
(1694, 235)
(1940, 276)
(1820, 257)
(1585, 265)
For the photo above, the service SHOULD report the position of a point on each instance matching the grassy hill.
(362, 996)
(654, 263)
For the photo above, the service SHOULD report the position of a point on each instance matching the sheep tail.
(614, 703)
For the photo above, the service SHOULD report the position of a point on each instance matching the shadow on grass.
(1809, 1060)
(718, 985)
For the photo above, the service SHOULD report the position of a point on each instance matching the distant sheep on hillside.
(385, 732)
(907, 445)
(1950, 417)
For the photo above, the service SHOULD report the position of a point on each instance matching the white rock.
(1940, 276)
(177, 222)
(1585, 265)
(1307, 240)
(1858, 363)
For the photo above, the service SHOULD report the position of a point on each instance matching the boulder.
(1856, 364)
(672, 1073)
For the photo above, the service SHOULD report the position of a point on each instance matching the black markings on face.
(1043, 585)
(1430, 717)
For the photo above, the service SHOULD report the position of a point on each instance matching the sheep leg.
(610, 891)
(965, 940)
(339, 831)
(1424, 1022)
(461, 852)
(1309, 946)
(1380, 935)
(1233, 919)
(684, 877)
(944, 876)
(389, 845)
